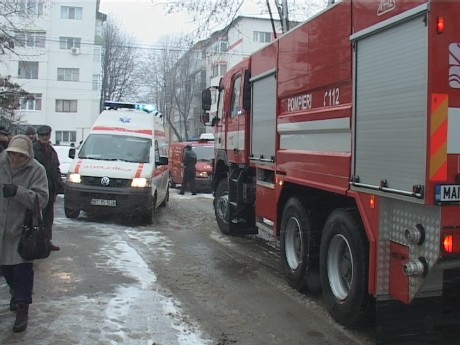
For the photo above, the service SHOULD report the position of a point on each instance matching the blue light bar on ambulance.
(149, 108)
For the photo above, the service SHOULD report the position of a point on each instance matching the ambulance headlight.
(74, 178)
(140, 182)
(202, 174)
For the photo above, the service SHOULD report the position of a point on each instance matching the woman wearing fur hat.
(22, 178)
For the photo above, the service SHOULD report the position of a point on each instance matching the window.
(96, 81)
(31, 7)
(219, 69)
(66, 105)
(66, 136)
(31, 102)
(68, 74)
(236, 97)
(97, 54)
(68, 12)
(69, 42)
(34, 39)
(28, 70)
(263, 37)
(221, 47)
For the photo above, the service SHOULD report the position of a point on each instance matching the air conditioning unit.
(74, 51)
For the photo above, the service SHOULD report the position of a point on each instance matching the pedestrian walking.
(22, 178)
(47, 156)
(189, 162)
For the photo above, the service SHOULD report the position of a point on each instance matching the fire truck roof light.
(440, 25)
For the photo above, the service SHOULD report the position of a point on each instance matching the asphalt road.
(178, 281)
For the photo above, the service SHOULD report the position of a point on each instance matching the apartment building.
(57, 60)
(221, 51)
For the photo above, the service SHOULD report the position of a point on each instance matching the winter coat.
(31, 181)
(189, 162)
(51, 164)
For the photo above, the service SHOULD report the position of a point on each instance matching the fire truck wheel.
(298, 251)
(344, 268)
(70, 213)
(221, 210)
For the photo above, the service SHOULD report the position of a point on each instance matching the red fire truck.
(341, 139)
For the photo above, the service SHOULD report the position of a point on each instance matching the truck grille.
(113, 182)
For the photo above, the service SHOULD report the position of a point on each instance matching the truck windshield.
(204, 153)
(116, 148)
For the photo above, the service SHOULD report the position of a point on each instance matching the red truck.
(204, 150)
(340, 140)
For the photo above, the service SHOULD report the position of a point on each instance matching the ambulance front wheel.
(344, 257)
(71, 213)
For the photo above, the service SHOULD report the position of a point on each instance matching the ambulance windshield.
(116, 148)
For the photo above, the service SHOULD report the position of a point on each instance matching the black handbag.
(34, 242)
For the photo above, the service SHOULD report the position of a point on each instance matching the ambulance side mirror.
(72, 152)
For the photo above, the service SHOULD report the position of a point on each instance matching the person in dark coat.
(47, 156)
(3, 139)
(31, 133)
(189, 162)
(22, 179)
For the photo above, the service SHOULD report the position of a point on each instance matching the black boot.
(22, 317)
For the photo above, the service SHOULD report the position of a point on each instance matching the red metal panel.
(330, 172)
(399, 283)
(266, 205)
(367, 13)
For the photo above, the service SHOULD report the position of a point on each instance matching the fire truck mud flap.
(344, 268)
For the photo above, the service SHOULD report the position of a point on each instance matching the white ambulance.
(122, 166)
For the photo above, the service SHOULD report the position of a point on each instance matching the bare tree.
(15, 15)
(173, 74)
(119, 61)
(218, 13)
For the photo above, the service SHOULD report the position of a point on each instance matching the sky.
(147, 20)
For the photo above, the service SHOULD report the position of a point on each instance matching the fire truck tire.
(71, 213)
(297, 248)
(344, 260)
(221, 210)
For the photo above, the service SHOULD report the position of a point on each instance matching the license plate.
(102, 202)
(448, 193)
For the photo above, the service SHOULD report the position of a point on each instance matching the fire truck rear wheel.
(299, 255)
(221, 209)
(344, 268)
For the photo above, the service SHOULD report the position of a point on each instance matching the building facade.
(217, 54)
(57, 60)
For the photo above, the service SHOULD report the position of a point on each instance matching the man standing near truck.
(189, 162)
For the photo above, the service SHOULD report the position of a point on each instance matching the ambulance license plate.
(448, 193)
(102, 202)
